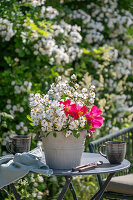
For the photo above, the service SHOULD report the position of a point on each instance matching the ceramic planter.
(64, 152)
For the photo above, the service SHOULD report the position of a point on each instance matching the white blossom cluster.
(61, 51)
(47, 111)
(14, 108)
(48, 12)
(101, 15)
(68, 49)
(6, 29)
(34, 3)
(35, 180)
(22, 127)
(23, 88)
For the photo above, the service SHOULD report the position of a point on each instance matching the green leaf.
(86, 51)
(40, 28)
(64, 96)
(47, 134)
(4, 124)
(28, 117)
(76, 133)
(21, 53)
(32, 124)
(54, 134)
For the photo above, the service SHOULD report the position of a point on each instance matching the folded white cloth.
(14, 167)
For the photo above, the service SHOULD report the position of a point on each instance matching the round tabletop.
(106, 167)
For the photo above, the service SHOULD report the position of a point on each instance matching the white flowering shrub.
(42, 39)
(105, 24)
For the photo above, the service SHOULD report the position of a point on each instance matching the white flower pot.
(64, 152)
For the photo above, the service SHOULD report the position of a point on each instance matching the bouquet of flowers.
(66, 107)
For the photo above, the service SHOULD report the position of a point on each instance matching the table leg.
(73, 191)
(100, 193)
(17, 196)
(65, 188)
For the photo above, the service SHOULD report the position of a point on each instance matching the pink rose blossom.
(93, 119)
(78, 111)
(67, 106)
(73, 110)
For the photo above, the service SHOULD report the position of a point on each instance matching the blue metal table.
(106, 167)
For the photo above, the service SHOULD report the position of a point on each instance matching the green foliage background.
(107, 63)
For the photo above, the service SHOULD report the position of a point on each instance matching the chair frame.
(125, 134)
